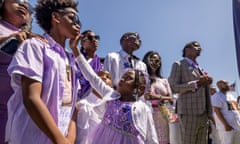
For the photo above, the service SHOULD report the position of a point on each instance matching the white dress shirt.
(117, 63)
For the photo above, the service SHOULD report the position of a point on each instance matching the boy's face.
(106, 77)
(69, 23)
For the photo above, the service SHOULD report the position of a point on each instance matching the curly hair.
(45, 8)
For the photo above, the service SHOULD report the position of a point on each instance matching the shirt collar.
(10, 26)
(55, 46)
(192, 63)
(123, 54)
(126, 55)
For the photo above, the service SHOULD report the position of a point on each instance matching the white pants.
(175, 133)
(229, 137)
(215, 134)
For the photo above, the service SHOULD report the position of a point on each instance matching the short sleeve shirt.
(227, 104)
(44, 63)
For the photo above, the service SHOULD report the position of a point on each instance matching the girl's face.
(127, 83)
(106, 77)
(16, 12)
(90, 42)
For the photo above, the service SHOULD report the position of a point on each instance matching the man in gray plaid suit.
(193, 105)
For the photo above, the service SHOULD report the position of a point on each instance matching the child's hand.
(74, 42)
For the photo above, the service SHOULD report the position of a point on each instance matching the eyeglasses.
(92, 37)
(75, 18)
(134, 37)
(29, 6)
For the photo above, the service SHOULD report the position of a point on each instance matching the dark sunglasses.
(92, 37)
(75, 18)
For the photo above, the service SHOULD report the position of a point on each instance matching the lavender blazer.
(191, 100)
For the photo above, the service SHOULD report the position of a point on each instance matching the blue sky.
(165, 26)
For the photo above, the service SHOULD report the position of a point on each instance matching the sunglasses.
(92, 37)
(75, 18)
(196, 44)
(25, 2)
(134, 37)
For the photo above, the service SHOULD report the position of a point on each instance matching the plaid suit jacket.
(182, 80)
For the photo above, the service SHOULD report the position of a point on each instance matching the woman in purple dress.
(127, 120)
(160, 95)
(15, 22)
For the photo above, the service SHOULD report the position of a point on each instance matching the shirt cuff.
(195, 85)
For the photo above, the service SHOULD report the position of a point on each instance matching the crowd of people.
(51, 96)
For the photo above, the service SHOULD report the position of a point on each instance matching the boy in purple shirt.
(41, 110)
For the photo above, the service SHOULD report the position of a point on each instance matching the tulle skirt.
(106, 134)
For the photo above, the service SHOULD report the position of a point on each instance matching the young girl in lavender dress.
(127, 120)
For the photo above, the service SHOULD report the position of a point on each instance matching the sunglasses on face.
(92, 37)
(134, 38)
(75, 18)
(196, 44)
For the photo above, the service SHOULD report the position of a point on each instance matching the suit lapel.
(191, 69)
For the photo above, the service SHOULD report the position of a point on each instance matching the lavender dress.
(117, 126)
(5, 89)
(123, 122)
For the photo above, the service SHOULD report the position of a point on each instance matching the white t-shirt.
(227, 104)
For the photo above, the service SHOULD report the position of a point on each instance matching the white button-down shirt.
(117, 63)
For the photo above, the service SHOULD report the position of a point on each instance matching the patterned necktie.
(130, 61)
